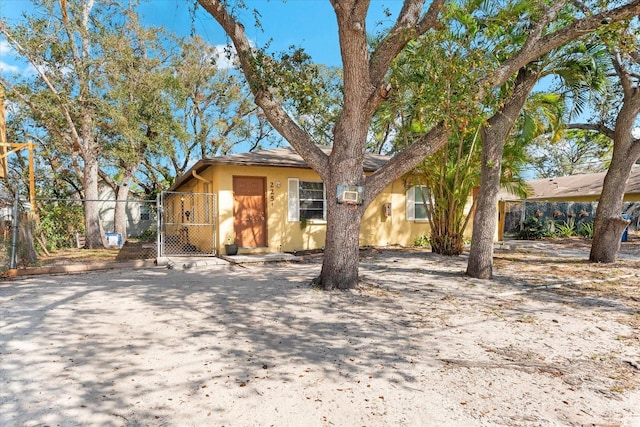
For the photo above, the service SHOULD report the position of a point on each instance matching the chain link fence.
(59, 224)
(187, 224)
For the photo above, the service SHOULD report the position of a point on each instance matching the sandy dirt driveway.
(418, 344)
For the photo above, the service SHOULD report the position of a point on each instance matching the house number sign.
(272, 193)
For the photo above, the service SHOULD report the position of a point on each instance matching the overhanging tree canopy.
(365, 89)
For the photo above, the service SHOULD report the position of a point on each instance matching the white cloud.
(9, 69)
(226, 56)
(636, 132)
(5, 47)
(7, 52)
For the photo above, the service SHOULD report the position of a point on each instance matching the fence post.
(14, 237)
(159, 212)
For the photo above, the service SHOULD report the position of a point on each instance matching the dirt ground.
(552, 340)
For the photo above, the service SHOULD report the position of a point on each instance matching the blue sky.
(307, 23)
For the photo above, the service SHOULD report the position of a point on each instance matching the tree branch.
(108, 180)
(408, 26)
(538, 44)
(595, 127)
(625, 78)
(65, 111)
(278, 117)
(407, 159)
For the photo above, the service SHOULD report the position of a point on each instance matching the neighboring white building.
(140, 213)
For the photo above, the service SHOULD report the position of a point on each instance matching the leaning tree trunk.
(480, 264)
(608, 225)
(494, 136)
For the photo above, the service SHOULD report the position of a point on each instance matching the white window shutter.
(411, 204)
(293, 211)
(324, 202)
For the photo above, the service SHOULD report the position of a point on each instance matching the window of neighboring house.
(417, 197)
(145, 212)
(306, 200)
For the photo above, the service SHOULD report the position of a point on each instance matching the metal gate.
(187, 224)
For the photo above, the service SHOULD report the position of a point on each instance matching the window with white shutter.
(293, 211)
(307, 199)
(416, 198)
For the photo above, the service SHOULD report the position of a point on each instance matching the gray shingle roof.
(567, 187)
(277, 157)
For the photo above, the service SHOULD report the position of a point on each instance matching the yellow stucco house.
(272, 201)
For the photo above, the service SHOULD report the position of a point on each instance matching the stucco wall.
(288, 236)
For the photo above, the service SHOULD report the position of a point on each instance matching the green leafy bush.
(421, 241)
(148, 235)
(59, 223)
(586, 230)
(565, 229)
(532, 229)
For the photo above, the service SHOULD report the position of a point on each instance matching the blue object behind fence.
(114, 239)
(625, 233)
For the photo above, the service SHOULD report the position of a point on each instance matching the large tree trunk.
(120, 214)
(608, 226)
(93, 230)
(341, 259)
(494, 136)
(341, 253)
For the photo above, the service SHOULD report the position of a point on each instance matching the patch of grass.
(80, 256)
(627, 338)
(618, 388)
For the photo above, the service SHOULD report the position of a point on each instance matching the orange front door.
(249, 211)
